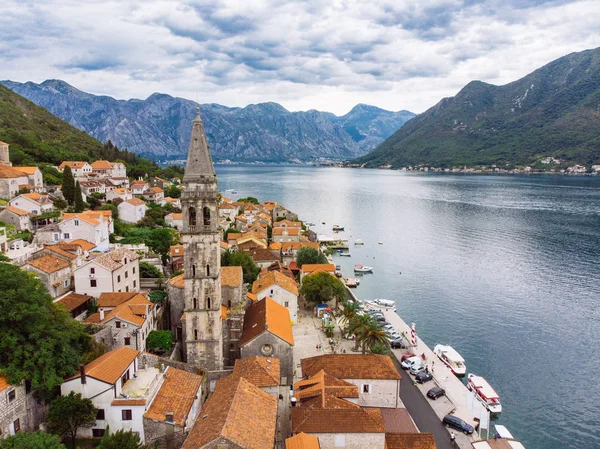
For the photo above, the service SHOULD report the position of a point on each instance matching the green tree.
(249, 199)
(160, 339)
(349, 311)
(322, 287)
(70, 413)
(309, 256)
(147, 270)
(122, 439)
(68, 185)
(32, 440)
(78, 198)
(39, 341)
(232, 258)
(380, 349)
(173, 192)
(161, 240)
(357, 326)
(228, 231)
(373, 335)
(59, 203)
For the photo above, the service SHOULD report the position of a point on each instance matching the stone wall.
(161, 435)
(268, 345)
(105, 336)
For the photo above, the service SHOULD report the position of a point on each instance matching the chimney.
(82, 373)
(169, 417)
(101, 314)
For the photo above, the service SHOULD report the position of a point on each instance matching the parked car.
(423, 376)
(407, 355)
(436, 392)
(387, 326)
(407, 363)
(416, 367)
(398, 343)
(458, 424)
(395, 335)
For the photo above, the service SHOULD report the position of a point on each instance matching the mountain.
(38, 137)
(159, 127)
(554, 111)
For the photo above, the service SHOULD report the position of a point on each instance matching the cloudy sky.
(321, 54)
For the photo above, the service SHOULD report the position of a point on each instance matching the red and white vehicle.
(484, 393)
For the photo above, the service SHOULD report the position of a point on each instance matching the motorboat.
(337, 227)
(338, 267)
(352, 282)
(360, 268)
(384, 302)
(309, 223)
(451, 358)
(484, 393)
(345, 254)
(359, 242)
(233, 192)
(380, 243)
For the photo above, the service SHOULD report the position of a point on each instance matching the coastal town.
(216, 323)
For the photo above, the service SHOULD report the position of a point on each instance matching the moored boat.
(337, 227)
(346, 254)
(360, 268)
(451, 358)
(359, 242)
(484, 393)
(384, 302)
(352, 282)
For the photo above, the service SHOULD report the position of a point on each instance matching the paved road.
(421, 412)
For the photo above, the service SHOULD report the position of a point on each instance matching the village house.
(290, 249)
(267, 332)
(287, 224)
(241, 223)
(264, 372)
(174, 220)
(228, 211)
(17, 217)
(232, 239)
(83, 226)
(280, 212)
(11, 180)
(131, 316)
(139, 187)
(115, 182)
(175, 202)
(121, 193)
(238, 415)
(232, 307)
(79, 169)
(34, 176)
(283, 234)
(261, 256)
(55, 273)
(89, 187)
(77, 305)
(69, 252)
(159, 182)
(119, 170)
(308, 269)
(19, 409)
(154, 195)
(176, 257)
(302, 441)
(34, 203)
(280, 289)
(132, 211)
(106, 169)
(114, 271)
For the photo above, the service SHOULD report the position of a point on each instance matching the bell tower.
(202, 255)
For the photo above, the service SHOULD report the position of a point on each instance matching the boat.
(233, 192)
(484, 393)
(345, 254)
(337, 227)
(380, 243)
(360, 268)
(451, 358)
(384, 302)
(359, 242)
(352, 282)
(309, 223)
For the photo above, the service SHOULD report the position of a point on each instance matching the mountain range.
(159, 127)
(552, 112)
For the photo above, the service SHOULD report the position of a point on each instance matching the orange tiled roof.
(275, 246)
(293, 224)
(275, 277)
(322, 384)
(110, 367)
(38, 197)
(398, 420)
(310, 267)
(94, 318)
(176, 216)
(118, 402)
(113, 299)
(251, 296)
(154, 190)
(82, 217)
(49, 264)
(72, 164)
(287, 246)
(176, 250)
(352, 366)
(227, 206)
(102, 165)
(233, 236)
(409, 441)
(177, 281)
(27, 170)
(353, 419)
(302, 441)
(223, 245)
(267, 315)
(239, 412)
(261, 371)
(73, 300)
(231, 276)
(114, 259)
(135, 202)
(261, 254)
(286, 231)
(177, 395)
(63, 250)
(16, 210)
(3, 382)
(85, 245)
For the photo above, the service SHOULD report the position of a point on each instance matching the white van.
(410, 361)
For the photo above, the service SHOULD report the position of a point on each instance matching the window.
(195, 303)
(286, 304)
(93, 283)
(56, 237)
(118, 278)
(127, 288)
(97, 433)
(271, 291)
(100, 414)
(126, 415)
(92, 270)
(366, 388)
(193, 271)
(127, 341)
(76, 222)
(192, 216)
(208, 270)
(195, 334)
(133, 270)
(66, 283)
(12, 395)
(126, 275)
(208, 303)
(118, 324)
(125, 261)
(67, 235)
(17, 425)
(134, 284)
(206, 216)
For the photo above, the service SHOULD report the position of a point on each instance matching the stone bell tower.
(202, 263)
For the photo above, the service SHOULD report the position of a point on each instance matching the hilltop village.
(215, 323)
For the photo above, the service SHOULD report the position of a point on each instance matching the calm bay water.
(504, 268)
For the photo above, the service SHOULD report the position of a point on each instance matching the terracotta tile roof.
(286, 231)
(99, 214)
(241, 218)
(275, 246)
(398, 420)
(337, 420)
(27, 170)
(177, 395)
(223, 245)
(113, 299)
(171, 200)
(176, 250)
(322, 384)
(82, 217)
(73, 300)
(61, 249)
(309, 268)
(283, 223)
(139, 183)
(16, 211)
(239, 412)
(114, 259)
(38, 197)
(232, 276)
(94, 318)
(177, 281)
(153, 191)
(134, 402)
(352, 366)
(110, 366)
(85, 245)
(3, 382)
(72, 164)
(261, 371)
(102, 165)
(226, 206)
(287, 246)
(302, 441)
(261, 255)
(251, 296)
(267, 316)
(225, 199)
(175, 216)
(135, 202)
(121, 191)
(233, 236)
(409, 441)
(275, 277)
(49, 264)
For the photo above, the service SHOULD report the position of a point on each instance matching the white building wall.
(22, 202)
(130, 213)
(381, 392)
(102, 276)
(282, 297)
(351, 440)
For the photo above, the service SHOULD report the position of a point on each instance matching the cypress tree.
(78, 198)
(68, 185)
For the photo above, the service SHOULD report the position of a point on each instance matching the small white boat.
(384, 302)
(380, 243)
(309, 223)
(359, 242)
(484, 393)
(352, 282)
(360, 268)
(346, 254)
(451, 358)
(337, 227)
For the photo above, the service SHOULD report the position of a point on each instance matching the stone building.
(202, 263)
(19, 410)
(233, 308)
(55, 273)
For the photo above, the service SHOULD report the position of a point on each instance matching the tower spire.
(199, 163)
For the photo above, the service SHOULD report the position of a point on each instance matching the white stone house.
(121, 193)
(80, 169)
(34, 203)
(132, 211)
(227, 210)
(285, 234)
(16, 216)
(19, 410)
(175, 202)
(11, 179)
(34, 175)
(154, 195)
(119, 170)
(308, 269)
(280, 289)
(139, 187)
(174, 220)
(89, 187)
(82, 226)
(55, 273)
(114, 271)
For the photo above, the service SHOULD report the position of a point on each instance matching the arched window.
(193, 271)
(192, 216)
(195, 334)
(195, 303)
(208, 303)
(208, 270)
(206, 215)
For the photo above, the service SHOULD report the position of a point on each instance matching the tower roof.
(199, 163)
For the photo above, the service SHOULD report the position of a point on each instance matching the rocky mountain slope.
(554, 111)
(159, 127)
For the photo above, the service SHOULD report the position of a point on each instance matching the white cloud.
(326, 55)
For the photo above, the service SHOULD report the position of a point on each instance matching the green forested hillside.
(554, 111)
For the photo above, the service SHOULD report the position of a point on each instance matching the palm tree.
(380, 349)
(349, 311)
(373, 335)
(357, 326)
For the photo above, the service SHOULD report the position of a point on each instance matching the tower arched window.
(193, 271)
(208, 270)
(206, 215)
(195, 303)
(192, 216)
(208, 303)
